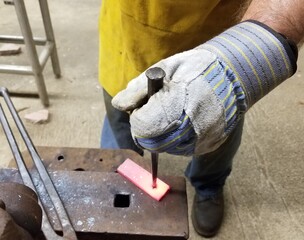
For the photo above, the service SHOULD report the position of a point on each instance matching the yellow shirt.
(134, 34)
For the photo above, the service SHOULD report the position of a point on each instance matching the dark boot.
(207, 214)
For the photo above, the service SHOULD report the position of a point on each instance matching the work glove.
(207, 89)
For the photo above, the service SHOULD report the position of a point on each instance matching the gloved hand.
(207, 89)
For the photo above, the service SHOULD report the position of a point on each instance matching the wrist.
(285, 17)
(289, 45)
(259, 57)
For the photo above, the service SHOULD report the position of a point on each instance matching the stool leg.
(50, 35)
(31, 50)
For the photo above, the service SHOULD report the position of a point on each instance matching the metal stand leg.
(50, 36)
(31, 50)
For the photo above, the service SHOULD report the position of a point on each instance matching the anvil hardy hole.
(122, 200)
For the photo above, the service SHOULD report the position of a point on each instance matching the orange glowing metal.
(143, 179)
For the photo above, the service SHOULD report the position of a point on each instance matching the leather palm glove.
(208, 89)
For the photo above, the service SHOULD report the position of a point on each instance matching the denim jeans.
(116, 132)
(207, 173)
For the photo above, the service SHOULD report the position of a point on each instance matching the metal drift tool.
(155, 83)
(136, 174)
(67, 228)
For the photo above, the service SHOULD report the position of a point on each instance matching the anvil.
(101, 203)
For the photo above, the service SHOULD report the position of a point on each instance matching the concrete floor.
(264, 194)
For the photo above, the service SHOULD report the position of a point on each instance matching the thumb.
(134, 96)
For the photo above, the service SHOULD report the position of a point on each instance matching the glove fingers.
(158, 125)
(130, 98)
(136, 93)
(176, 69)
(179, 140)
(161, 113)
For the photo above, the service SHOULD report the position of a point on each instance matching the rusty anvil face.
(101, 203)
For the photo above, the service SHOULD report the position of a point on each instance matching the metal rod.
(31, 50)
(67, 228)
(155, 83)
(50, 35)
(26, 178)
(15, 69)
(20, 40)
(45, 53)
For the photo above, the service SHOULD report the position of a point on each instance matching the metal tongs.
(62, 215)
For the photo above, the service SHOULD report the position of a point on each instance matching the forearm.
(284, 16)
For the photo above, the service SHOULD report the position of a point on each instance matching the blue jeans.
(116, 132)
(207, 173)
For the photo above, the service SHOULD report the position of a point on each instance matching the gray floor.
(264, 194)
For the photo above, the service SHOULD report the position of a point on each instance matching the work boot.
(207, 214)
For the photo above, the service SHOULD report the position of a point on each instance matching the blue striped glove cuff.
(259, 57)
(228, 89)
